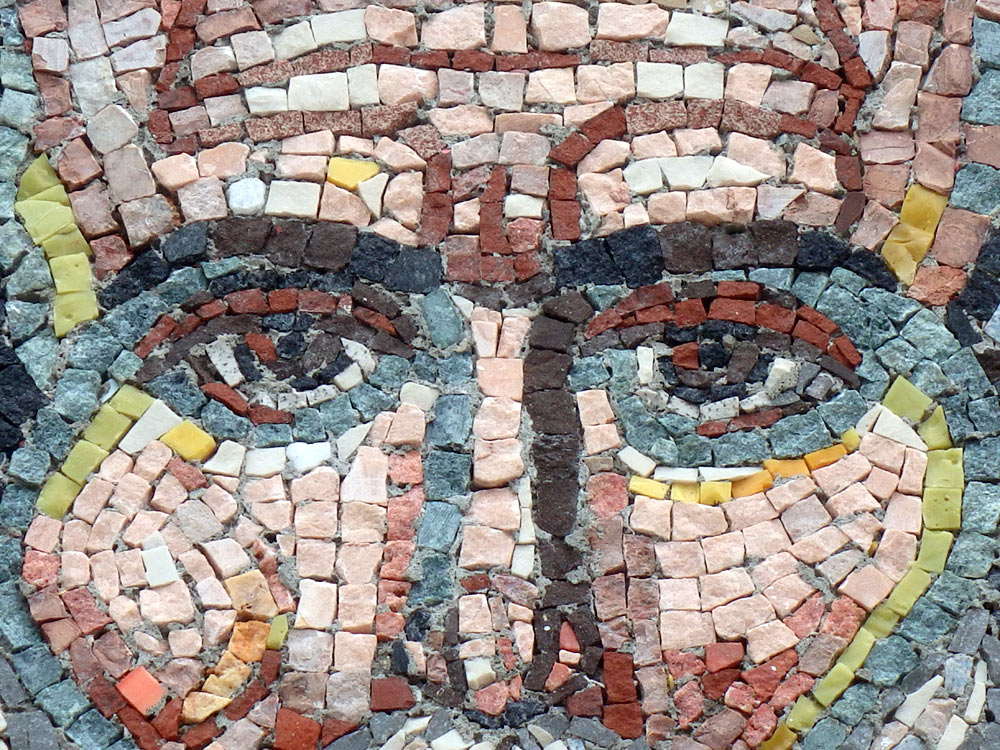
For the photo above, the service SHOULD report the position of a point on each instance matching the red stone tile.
(473, 60)
(811, 334)
(231, 399)
(537, 61)
(571, 150)
(84, 610)
(655, 116)
(690, 704)
(391, 694)
(167, 721)
(715, 684)
(250, 301)
(685, 356)
(565, 219)
(689, 313)
(719, 656)
(619, 680)
(188, 475)
(586, 702)
(624, 719)
(765, 678)
(607, 125)
(775, 317)
(200, 735)
(738, 289)
(734, 310)
(292, 731)
(268, 415)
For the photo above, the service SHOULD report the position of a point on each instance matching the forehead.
(648, 105)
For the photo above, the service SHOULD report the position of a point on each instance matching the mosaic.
(444, 375)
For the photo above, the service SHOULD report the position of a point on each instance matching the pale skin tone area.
(697, 573)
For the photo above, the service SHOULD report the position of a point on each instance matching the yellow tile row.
(102, 436)
(944, 482)
(718, 492)
(44, 208)
(911, 238)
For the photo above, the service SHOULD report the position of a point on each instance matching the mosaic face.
(500, 374)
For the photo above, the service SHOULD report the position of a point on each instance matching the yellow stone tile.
(906, 400)
(83, 459)
(684, 492)
(190, 441)
(37, 177)
(73, 308)
(753, 484)
(130, 401)
(782, 739)
(67, 242)
(107, 428)
(251, 595)
(934, 548)
(58, 493)
(851, 440)
(855, 654)
(934, 430)
(824, 456)
(647, 487)
(198, 706)
(830, 687)
(881, 621)
(54, 194)
(922, 208)
(230, 675)
(910, 587)
(803, 714)
(715, 493)
(249, 640)
(42, 219)
(942, 508)
(786, 467)
(944, 469)
(347, 173)
(71, 273)
(899, 259)
(278, 632)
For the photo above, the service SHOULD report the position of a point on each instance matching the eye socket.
(712, 359)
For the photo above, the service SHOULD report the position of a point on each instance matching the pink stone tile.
(43, 533)
(723, 551)
(868, 586)
(787, 593)
(903, 513)
(841, 473)
(747, 511)
(911, 480)
(881, 483)
(764, 641)
(680, 559)
(818, 546)
(115, 466)
(694, 521)
(723, 587)
(770, 569)
(92, 498)
(679, 629)
(483, 548)
(785, 495)
(854, 499)
(735, 619)
(765, 539)
(804, 517)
